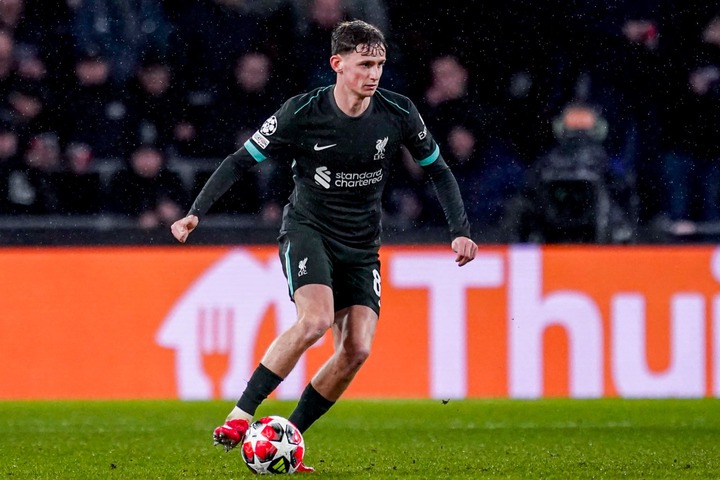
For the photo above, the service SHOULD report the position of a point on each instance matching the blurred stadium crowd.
(561, 120)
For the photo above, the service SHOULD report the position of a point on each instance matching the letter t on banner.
(447, 307)
(532, 311)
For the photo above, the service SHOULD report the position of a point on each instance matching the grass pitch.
(568, 439)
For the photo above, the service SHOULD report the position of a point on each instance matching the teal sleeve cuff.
(430, 158)
(253, 151)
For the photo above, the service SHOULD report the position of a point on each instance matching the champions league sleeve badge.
(269, 127)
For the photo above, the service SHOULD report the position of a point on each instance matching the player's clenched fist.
(466, 250)
(182, 228)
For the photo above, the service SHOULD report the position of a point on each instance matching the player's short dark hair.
(348, 35)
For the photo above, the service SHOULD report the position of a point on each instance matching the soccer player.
(342, 139)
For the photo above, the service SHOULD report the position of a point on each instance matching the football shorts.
(352, 273)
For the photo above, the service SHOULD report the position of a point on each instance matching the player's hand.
(466, 250)
(183, 227)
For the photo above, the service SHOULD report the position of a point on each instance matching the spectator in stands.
(155, 108)
(244, 99)
(9, 145)
(314, 21)
(43, 36)
(243, 105)
(488, 172)
(404, 203)
(120, 31)
(324, 13)
(10, 160)
(620, 52)
(8, 67)
(317, 18)
(30, 66)
(79, 188)
(24, 52)
(209, 36)
(29, 42)
(488, 175)
(447, 98)
(691, 163)
(147, 190)
(10, 13)
(29, 63)
(204, 32)
(98, 109)
(27, 109)
(30, 186)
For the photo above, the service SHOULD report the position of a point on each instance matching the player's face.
(361, 70)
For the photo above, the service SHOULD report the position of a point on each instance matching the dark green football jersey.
(340, 164)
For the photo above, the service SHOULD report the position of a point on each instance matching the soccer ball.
(273, 445)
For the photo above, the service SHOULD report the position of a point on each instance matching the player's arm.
(426, 153)
(448, 193)
(255, 150)
(229, 172)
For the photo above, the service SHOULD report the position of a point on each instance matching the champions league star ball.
(273, 445)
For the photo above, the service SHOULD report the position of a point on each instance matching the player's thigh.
(314, 304)
(355, 327)
(304, 259)
(356, 278)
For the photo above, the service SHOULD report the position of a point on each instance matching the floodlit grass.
(564, 439)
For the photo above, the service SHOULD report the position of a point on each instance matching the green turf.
(565, 439)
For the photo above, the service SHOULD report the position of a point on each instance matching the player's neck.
(349, 103)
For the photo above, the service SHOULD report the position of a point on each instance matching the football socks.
(310, 407)
(261, 384)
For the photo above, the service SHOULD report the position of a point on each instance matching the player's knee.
(355, 355)
(360, 356)
(314, 327)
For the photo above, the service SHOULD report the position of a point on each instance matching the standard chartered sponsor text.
(344, 179)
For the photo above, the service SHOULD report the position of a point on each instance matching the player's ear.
(336, 63)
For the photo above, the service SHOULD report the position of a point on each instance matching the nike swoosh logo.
(318, 148)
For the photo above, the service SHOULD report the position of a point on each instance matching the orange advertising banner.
(521, 321)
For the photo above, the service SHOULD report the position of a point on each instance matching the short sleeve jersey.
(340, 164)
